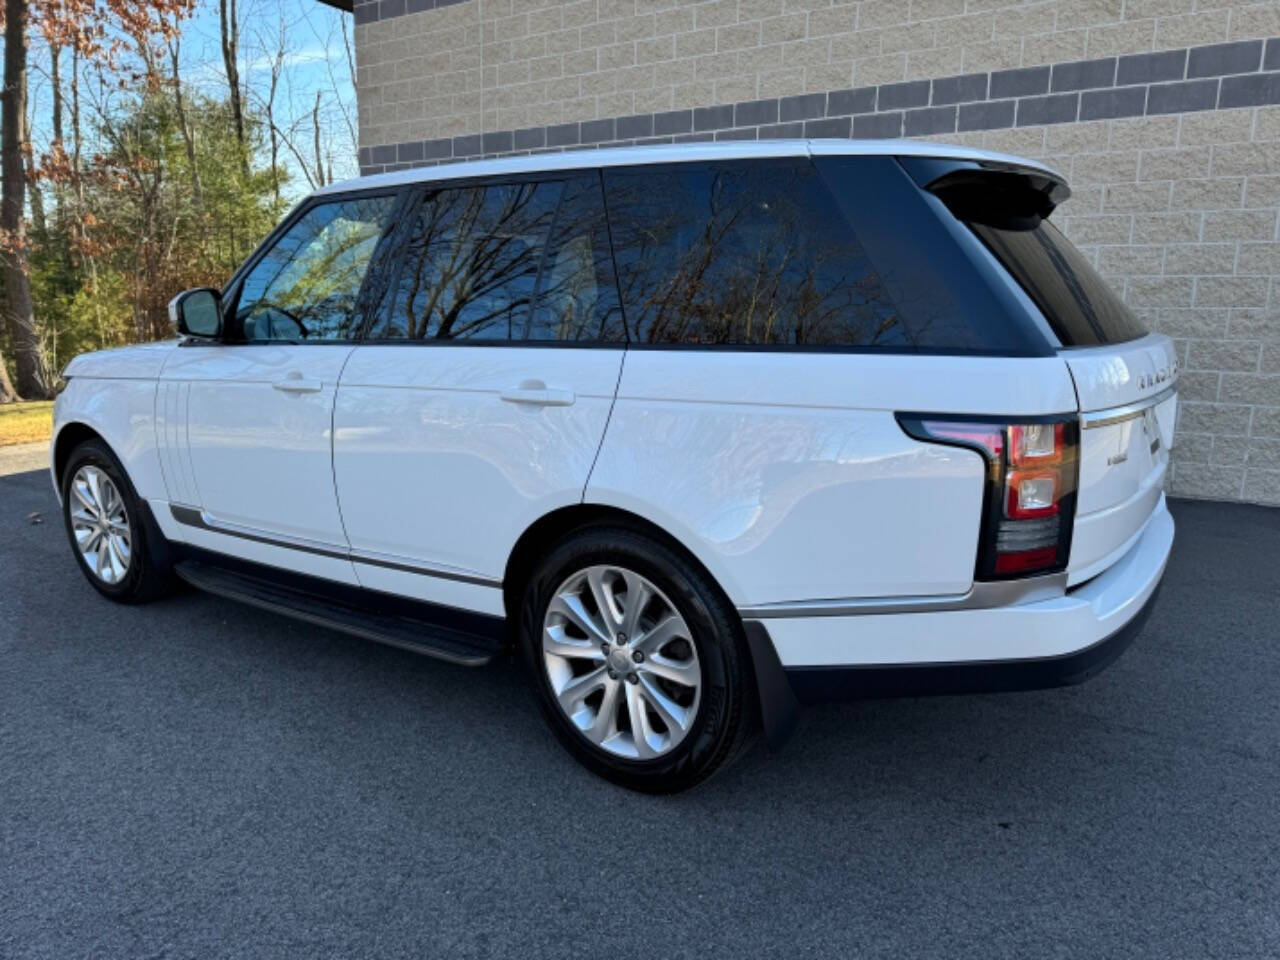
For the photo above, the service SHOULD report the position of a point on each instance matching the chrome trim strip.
(195, 517)
(409, 566)
(1101, 418)
(981, 596)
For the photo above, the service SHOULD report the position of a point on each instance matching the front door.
(480, 397)
(245, 425)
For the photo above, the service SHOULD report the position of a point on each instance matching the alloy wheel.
(621, 662)
(100, 525)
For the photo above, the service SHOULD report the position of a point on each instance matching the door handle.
(535, 393)
(297, 383)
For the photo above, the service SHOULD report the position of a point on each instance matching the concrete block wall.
(1163, 114)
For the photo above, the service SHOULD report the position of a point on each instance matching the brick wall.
(1163, 114)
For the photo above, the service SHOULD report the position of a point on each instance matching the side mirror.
(197, 313)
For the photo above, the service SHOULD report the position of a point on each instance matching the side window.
(578, 295)
(470, 266)
(305, 287)
(742, 253)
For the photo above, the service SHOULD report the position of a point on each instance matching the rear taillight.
(1030, 493)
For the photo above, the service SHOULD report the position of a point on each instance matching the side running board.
(419, 636)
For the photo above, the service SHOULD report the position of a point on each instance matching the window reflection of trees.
(748, 254)
(472, 262)
(306, 286)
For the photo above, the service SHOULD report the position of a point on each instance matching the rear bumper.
(816, 684)
(1048, 643)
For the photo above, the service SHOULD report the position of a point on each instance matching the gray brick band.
(1214, 77)
(371, 11)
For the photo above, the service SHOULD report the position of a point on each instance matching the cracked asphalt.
(197, 778)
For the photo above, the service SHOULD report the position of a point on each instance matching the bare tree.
(273, 133)
(7, 393)
(20, 313)
(315, 122)
(188, 139)
(230, 27)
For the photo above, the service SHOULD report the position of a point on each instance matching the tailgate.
(1124, 377)
(1128, 405)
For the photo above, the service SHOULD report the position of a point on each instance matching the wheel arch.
(69, 436)
(559, 523)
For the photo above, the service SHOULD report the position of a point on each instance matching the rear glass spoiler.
(991, 192)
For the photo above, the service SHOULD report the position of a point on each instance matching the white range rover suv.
(703, 432)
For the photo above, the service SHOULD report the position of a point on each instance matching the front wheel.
(638, 660)
(103, 518)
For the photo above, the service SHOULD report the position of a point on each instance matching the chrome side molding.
(195, 517)
(1101, 418)
(981, 596)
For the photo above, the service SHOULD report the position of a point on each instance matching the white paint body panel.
(1121, 476)
(252, 455)
(1047, 628)
(122, 411)
(143, 361)
(435, 468)
(788, 476)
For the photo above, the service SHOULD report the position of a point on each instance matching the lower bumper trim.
(817, 684)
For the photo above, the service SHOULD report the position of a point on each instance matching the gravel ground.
(197, 778)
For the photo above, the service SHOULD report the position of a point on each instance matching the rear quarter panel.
(788, 476)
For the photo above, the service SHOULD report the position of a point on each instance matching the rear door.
(1125, 382)
(479, 398)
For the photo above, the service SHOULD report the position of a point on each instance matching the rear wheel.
(103, 518)
(638, 660)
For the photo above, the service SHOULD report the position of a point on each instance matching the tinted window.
(743, 253)
(844, 253)
(471, 263)
(951, 298)
(1078, 304)
(577, 293)
(305, 287)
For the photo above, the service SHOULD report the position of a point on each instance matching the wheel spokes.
(609, 644)
(607, 714)
(641, 730)
(579, 688)
(82, 493)
(638, 596)
(606, 602)
(671, 713)
(95, 487)
(100, 524)
(570, 607)
(662, 633)
(684, 672)
(555, 642)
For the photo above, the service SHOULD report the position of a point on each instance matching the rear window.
(1082, 310)
(842, 254)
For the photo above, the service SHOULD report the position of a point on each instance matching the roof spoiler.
(991, 192)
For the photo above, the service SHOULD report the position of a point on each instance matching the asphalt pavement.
(196, 778)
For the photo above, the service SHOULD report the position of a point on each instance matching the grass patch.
(25, 422)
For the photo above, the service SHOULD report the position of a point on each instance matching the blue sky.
(315, 60)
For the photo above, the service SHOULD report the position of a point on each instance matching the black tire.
(725, 721)
(148, 576)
